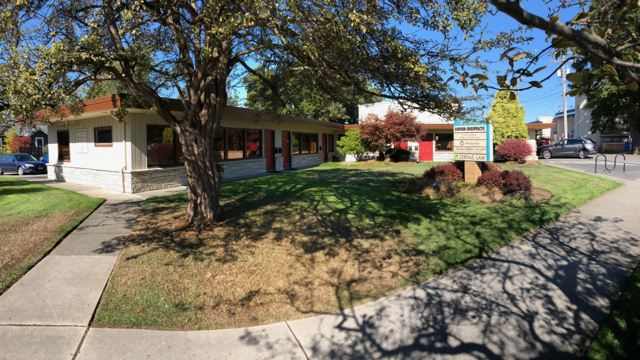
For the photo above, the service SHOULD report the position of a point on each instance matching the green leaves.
(535, 84)
(574, 92)
(576, 78)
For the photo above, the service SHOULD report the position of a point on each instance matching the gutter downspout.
(124, 143)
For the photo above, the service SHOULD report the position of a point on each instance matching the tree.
(396, 127)
(507, 117)
(13, 142)
(49, 49)
(351, 144)
(301, 97)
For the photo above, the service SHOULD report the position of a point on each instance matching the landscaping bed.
(313, 242)
(33, 218)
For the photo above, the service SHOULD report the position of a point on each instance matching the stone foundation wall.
(157, 179)
(303, 161)
(105, 179)
(244, 168)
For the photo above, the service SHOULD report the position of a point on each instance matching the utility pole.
(564, 95)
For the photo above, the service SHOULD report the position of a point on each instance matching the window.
(304, 143)
(574, 142)
(39, 142)
(64, 152)
(163, 147)
(444, 142)
(102, 136)
(295, 146)
(235, 144)
(254, 144)
(330, 144)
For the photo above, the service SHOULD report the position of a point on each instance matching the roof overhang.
(103, 106)
(540, 125)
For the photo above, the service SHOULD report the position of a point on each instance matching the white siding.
(99, 158)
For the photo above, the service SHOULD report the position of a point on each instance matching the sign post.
(473, 143)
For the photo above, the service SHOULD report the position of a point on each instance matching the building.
(615, 140)
(142, 154)
(39, 135)
(437, 143)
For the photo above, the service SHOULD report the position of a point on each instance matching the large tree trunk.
(197, 138)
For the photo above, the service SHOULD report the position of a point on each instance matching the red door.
(268, 148)
(324, 146)
(285, 150)
(426, 148)
(401, 145)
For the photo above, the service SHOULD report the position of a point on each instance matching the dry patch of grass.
(25, 241)
(310, 242)
(252, 271)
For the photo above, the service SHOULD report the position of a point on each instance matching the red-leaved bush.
(444, 173)
(515, 182)
(514, 150)
(490, 180)
(509, 182)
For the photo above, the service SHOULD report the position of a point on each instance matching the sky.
(546, 101)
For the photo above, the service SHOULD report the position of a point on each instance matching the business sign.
(82, 137)
(472, 141)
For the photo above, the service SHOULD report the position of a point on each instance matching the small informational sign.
(472, 141)
(81, 141)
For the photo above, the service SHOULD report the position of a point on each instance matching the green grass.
(24, 202)
(338, 209)
(619, 338)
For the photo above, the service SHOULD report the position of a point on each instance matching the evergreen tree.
(507, 117)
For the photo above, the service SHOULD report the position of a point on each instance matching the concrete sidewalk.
(544, 296)
(46, 313)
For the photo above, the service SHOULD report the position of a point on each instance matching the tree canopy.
(301, 97)
(603, 34)
(507, 117)
(379, 134)
(50, 49)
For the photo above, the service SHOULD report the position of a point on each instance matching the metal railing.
(615, 160)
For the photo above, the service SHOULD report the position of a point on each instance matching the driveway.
(632, 168)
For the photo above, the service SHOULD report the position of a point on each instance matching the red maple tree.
(19, 141)
(396, 127)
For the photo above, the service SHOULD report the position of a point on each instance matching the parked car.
(21, 164)
(45, 158)
(575, 147)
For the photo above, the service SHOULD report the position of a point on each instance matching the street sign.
(472, 140)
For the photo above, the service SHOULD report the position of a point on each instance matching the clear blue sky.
(537, 102)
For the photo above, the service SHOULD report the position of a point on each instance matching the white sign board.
(82, 136)
(472, 141)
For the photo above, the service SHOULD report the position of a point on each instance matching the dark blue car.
(21, 164)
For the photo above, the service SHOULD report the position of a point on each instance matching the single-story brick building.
(141, 153)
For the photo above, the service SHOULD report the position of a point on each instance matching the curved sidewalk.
(544, 296)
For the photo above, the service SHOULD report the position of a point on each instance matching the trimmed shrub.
(515, 183)
(514, 150)
(490, 180)
(399, 155)
(444, 173)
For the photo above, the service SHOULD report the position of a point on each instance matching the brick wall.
(157, 179)
(104, 179)
(243, 168)
(303, 161)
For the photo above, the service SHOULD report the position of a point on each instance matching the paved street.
(632, 171)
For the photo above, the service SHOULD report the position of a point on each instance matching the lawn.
(33, 219)
(312, 242)
(619, 338)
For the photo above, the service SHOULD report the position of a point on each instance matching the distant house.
(141, 153)
(437, 143)
(609, 141)
(39, 135)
